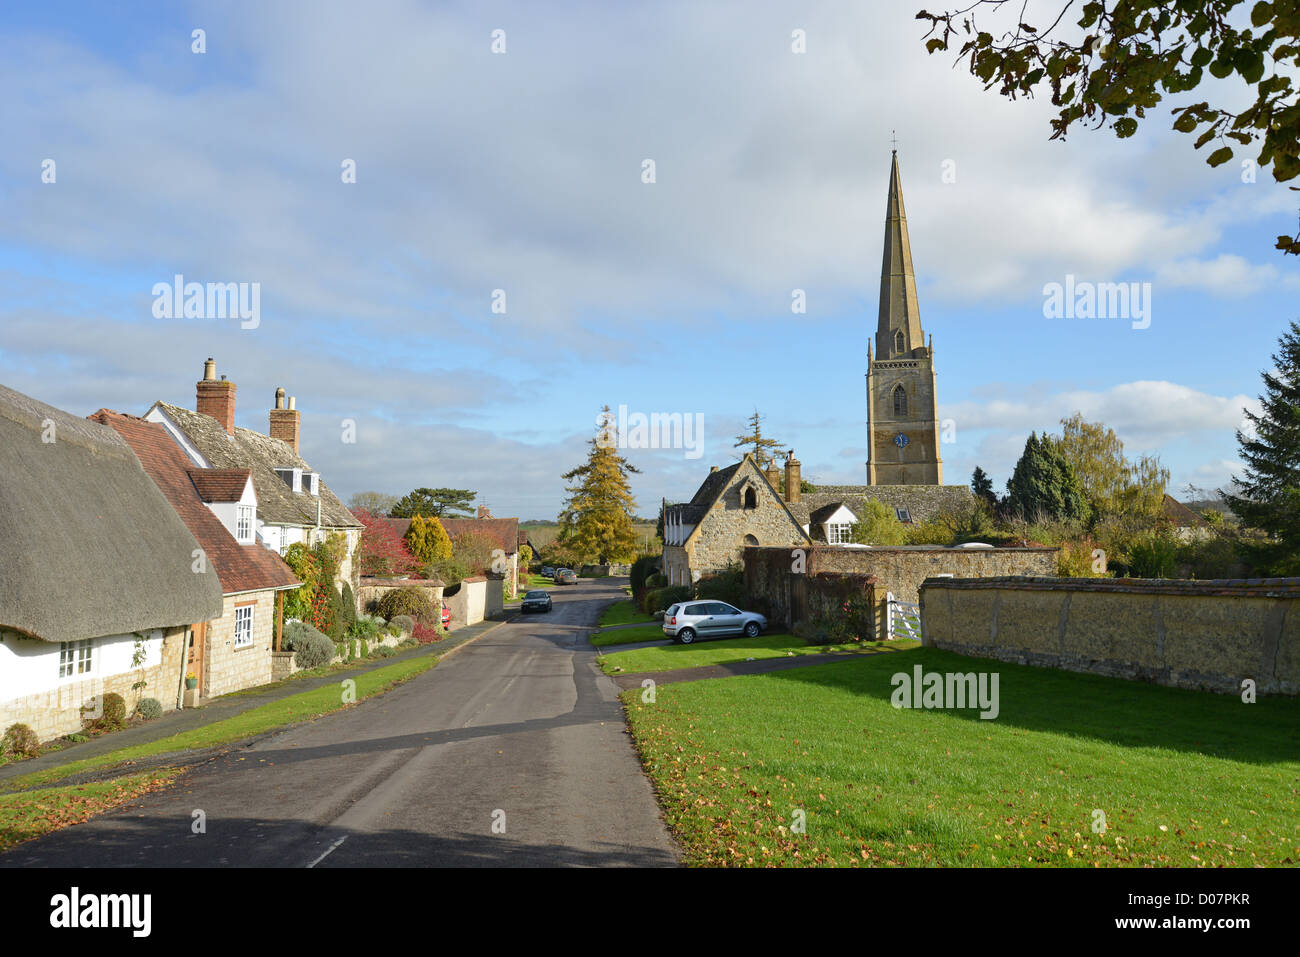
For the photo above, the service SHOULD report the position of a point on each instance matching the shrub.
(150, 708)
(425, 634)
(727, 585)
(21, 740)
(383, 651)
(404, 622)
(295, 631)
(105, 712)
(349, 607)
(933, 531)
(364, 628)
(1152, 555)
(879, 525)
(657, 580)
(642, 569)
(365, 649)
(312, 649)
(411, 601)
(661, 598)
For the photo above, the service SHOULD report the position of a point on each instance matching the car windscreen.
(536, 594)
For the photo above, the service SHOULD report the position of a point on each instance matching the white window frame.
(76, 658)
(244, 617)
(245, 519)
(839, 534)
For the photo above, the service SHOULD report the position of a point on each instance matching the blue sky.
(522, 171)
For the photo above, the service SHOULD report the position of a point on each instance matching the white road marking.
(328, 851)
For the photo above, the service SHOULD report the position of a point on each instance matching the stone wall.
(494, 597)
(772, 574)
(469, 605)
(227, 668)
(369, 590)
(1192, 634)
(57, 711)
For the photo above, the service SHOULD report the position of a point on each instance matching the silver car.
(688, 620)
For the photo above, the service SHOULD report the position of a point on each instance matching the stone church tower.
(902, 419)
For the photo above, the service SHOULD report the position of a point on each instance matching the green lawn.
(627, 636)
(623, 613)
(289, 710)
(1183, 778)
(726, 650)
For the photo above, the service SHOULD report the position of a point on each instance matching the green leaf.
(1220, 156)
(1125, 127)
(935, 44)
(1261, 13)
(1202, 56)
(1185, 123)
(1220, 69)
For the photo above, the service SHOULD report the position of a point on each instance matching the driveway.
(510, 752)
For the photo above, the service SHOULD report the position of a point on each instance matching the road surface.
(511, 752)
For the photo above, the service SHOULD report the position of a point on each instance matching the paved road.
(518, 729)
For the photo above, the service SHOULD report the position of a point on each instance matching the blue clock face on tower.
(900, 440)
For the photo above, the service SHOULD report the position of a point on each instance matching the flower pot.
(191, 683)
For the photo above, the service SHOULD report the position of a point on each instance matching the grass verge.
(1183, 778)
(624, 613)
(627, 636)
(24, 817)
(267, 717)
(723, 651)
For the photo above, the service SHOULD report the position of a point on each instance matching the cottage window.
(838, 534)
(751, 498)
(243, 626)
(900, 401)
(244, 523)
(76, 658)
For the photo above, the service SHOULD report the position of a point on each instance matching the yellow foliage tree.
(428, 540)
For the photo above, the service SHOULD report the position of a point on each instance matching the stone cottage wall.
(228, 668)
(1209, 635)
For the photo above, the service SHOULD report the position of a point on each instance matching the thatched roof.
(88, 544)
(277, 503)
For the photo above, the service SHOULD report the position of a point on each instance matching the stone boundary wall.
(1207, 635)
(771, 579)
(469, 605)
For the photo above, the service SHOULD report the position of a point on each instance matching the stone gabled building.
(740, 506)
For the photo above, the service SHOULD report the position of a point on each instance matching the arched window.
(751, 541)
(751, 498)
(900, 401)
(898, 343)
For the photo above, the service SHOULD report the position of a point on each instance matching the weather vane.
(894, 139)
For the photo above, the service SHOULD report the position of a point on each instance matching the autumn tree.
(1113, 484)
(1267, 494)
(879, 525)
(1122, 58)
(438, 502)
(380, 551)
(756, 443)
(598, 510)
(428, 540)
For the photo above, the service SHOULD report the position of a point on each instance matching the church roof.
(921, 501)
(899, 308)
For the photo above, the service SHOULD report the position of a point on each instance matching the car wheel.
(751, 630)
(686, 636)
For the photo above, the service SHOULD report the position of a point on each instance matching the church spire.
(898, 330)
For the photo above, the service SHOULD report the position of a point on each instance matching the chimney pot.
(279, 398)
(216, 398)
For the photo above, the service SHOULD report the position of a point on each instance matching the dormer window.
(292, 478)
(839, 534)
(312, 481)
(244, 520)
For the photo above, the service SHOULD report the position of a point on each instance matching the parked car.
(548, 571)
(536, 601)
(446, 617)
(566, 576)
(686, 621)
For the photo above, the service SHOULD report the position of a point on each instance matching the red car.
(446, 617)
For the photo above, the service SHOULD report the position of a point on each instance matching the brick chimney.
(773, 474)
(483, 512)
(793, 477)
(284, 421)
(216, 397)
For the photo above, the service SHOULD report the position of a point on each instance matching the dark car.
(548, 571)
(566, 576)
(536, 601)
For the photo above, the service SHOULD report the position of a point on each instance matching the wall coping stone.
(1231, 587)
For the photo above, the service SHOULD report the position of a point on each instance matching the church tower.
(902, 418)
